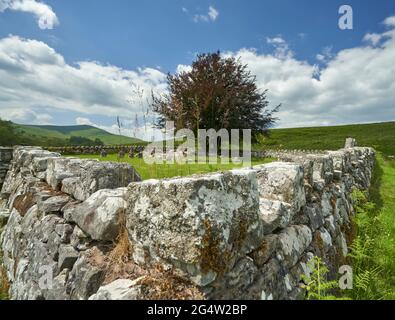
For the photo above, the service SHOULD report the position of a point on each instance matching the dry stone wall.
(242, 234)
(97, 150)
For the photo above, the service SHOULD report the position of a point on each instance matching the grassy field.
(159, 171)
(380, 136)
(373, 250)
(385, 238)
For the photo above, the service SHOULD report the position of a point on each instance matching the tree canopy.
(8, 136)
(216, 93)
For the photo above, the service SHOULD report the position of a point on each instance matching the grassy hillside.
(380, 136)
(373, 251)
(62, 133)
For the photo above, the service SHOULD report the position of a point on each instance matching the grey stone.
(293, 242)
(274, 214)
(101, 215)
(315, 216)
(282, 182)
(64, 231)
(270, 284)
(67, 257)
(266, 250)
(79, 239)
(85, 278)
(53, 204)
(350, 143)
(121, 289)
(237, 281)
(81, 178)
(200, 223)
(58, 290)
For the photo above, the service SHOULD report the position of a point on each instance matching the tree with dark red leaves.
(216, 93)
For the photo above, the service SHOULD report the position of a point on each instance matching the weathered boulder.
(121, 289)
(322, 168)
(53, 205)
(67, 257)
(81, 178)
(350, 143)
(293, 242)
(283, 182)
(79, 239)
(281, 192)
(25, 156)
(315, 216)
(236, 282)
(202, 224)
(64, 231)
(87, 275)
(270, 284)
(268, 248)
(322, 242)
(101, 215)
(274, 214)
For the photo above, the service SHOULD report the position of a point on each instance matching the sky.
(87, 62)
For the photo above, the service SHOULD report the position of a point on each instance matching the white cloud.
(26, 116)
(146, 132)
(390, 21)
(200, 18)
(183, 68)
(83, 121)
(46, 17)
(325, 55)
(355, 85)
(281, 47)
(275, 41)
(34, 76)
(211, 15)
(372, 38)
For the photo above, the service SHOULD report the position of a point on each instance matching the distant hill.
(85, 131)
(380, 136)
(60, 135)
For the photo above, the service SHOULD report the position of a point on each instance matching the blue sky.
(104, 40)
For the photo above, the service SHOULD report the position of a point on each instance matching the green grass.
(383, 195)
(373, 251)
(159, 171)
(378, 135)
